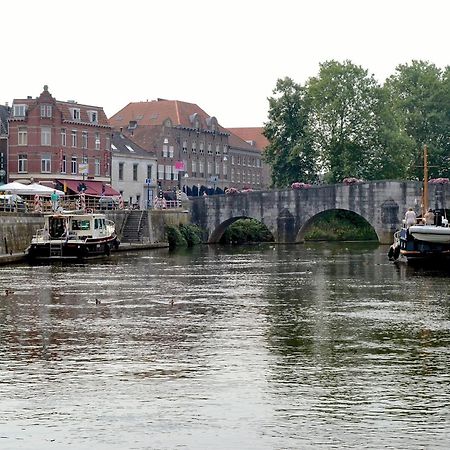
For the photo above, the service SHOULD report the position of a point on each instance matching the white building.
(134, 172)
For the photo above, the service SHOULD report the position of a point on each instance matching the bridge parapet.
(288, 212)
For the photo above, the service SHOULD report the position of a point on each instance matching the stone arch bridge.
(287, 213)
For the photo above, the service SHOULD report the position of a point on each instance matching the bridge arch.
(217, 233)
(310, 221)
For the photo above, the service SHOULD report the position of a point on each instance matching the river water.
(286, 347)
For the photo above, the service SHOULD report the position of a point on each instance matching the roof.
(253, 135)
(123, 145)
(65, 109)
(4, 114)
(156, 112)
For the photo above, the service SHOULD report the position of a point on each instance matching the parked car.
(108, 203)
(12, 202)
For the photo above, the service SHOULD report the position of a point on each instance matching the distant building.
(4, 114)
(133, 172)
(55, 140)
(194, 152)
(254, 137)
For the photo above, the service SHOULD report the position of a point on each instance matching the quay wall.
(17, 229)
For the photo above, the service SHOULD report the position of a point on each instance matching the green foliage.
(174, 237)
(339, 225)
(342, 123)
(191, 233)
(246, 230)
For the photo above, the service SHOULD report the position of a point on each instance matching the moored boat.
(73, 235)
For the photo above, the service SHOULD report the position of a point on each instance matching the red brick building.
(50, 139)
(193, 150)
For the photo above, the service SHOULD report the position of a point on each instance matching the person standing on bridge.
(410, 218)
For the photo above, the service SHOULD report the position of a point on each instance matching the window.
(165, 149)
(64, 164)
(217, 168)
(19, 110)
(74, 165)
(201, 148)
(93, 116)
(22, 166)
(46, 111)
(201, 168)
(225, 148)
(84, 139)
(63, 137)
(74, 138)
(135, 172)
(107, 143)
(217, 149)
(97, 140)
(209, 168)
(46, 164)
(149, 171)
(194, 147)
(175, 173)
(46, 135)
(209, 149)
(232, 160)
(224, 170)
(97, 166)
(22, 138)
(184, 146)
(160, 172)
(194, 167)
(121, 164)
(171, 151)
(75, 112)
(168, 172)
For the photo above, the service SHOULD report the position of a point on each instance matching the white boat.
(72, 235)
(431, 233)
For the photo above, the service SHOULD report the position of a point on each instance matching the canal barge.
(73, 235)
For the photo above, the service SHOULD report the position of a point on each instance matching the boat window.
(81, 225)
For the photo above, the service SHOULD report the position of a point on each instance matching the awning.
(96, 188)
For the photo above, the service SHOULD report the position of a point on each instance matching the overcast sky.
(225, 56)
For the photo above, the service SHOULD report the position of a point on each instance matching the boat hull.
(71, 250)
(415, 247)
(431, 234)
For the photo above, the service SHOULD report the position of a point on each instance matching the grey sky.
(223, 55)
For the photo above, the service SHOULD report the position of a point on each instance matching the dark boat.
(73, 236)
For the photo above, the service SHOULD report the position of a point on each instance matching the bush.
(174, 237)
(192, 234)
(246, 230)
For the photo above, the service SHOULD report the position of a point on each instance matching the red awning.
(92, 187)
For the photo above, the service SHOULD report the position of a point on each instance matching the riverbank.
(16, 258)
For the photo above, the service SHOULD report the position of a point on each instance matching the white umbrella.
(30, 189)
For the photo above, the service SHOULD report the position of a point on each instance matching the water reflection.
(321, 346)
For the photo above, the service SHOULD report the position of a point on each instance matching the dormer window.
(46, 111)
(132, 125)
(75, 113)
(19, 110)
(93, 116)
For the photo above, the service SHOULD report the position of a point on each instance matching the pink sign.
(179, 165)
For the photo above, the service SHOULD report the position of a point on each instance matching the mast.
(425, 181)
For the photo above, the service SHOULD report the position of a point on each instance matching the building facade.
(194, 152)
(4, 114)
(133, 172)
(51, 139)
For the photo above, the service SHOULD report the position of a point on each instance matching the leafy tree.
(290, 151)
(351, 127)
(419, 95)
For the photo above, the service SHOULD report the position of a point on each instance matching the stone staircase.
(134, 230)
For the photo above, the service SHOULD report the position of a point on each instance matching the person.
(55, 199)
(428, 218)
(410, 218)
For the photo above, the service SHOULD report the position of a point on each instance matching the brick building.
(193, 150)
(4, 114)
(55, 140)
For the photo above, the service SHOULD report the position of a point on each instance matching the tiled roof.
(4, 114)
(65, 109)
(122, 145)
(155, 112)
(253, 134)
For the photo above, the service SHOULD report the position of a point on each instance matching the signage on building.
(179, 165)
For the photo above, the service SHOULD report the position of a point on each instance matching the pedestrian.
(428, 218)
(410, 218)
(55, 200)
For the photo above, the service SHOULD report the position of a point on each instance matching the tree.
(290, 151)
(419, 95)
(351, 127)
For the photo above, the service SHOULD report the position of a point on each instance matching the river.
(266, 347)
